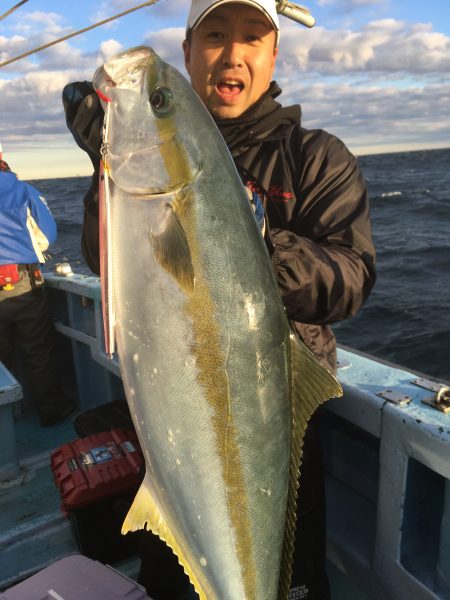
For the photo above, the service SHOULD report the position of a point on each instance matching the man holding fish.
(315, 221)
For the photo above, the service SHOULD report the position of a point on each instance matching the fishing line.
(75, 33)
(11, 10)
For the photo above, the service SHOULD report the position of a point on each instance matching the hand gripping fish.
(219, 389)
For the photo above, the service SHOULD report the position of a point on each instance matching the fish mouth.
(126, 68)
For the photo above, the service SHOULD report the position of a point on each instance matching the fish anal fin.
(311, 385)
(172, 249)
(145, 514)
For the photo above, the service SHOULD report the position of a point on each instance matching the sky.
(376, 73)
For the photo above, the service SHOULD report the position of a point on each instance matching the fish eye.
(161, 100)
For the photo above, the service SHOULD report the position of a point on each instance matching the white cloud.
(167, 43)
(378, 85)
(11, 47)
(31, 108)
(109, 48)
(383, 83)
(386, 46)
(162, 10)
(52, 23)
(372, 115)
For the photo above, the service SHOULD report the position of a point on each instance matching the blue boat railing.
(387, 456)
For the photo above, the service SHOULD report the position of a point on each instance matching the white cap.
(200, 8)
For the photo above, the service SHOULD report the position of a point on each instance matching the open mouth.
(230, 87)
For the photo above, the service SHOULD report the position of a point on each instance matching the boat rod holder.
(295, 12)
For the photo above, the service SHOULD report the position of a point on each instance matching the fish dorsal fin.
(146, 514)
(311, 385)
(172, 249)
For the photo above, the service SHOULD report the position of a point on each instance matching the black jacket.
(318, 213)
(316, 203)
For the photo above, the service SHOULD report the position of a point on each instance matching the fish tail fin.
(145, 514)
(311, 385)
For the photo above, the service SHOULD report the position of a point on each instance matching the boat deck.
(30, 504)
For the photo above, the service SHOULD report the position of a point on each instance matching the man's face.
(231, 59)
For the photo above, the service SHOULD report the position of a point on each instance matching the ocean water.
(406, 319)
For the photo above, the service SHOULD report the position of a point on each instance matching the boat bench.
(10, 394)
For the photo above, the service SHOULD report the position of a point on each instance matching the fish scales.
(202, 337)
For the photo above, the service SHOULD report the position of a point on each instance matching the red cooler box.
(76, 578)
(98, 477)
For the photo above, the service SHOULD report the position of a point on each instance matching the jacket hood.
(8, 178)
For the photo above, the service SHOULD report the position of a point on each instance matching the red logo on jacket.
(275, 193)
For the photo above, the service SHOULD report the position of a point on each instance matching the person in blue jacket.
(27, 228)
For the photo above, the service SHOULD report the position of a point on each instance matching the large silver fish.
(219, 389)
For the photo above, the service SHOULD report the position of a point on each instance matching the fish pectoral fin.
(311, 385)
(172, 250)
(145, 514)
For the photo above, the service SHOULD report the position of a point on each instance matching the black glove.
(84, 117)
